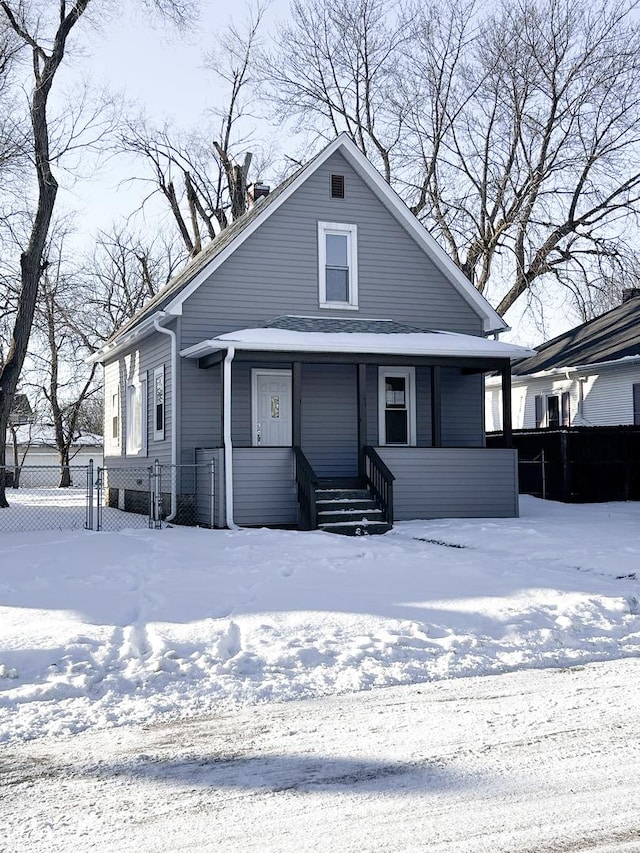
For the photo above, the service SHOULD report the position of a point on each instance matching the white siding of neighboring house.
(607, 393)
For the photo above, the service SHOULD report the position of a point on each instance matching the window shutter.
(539, 411)
(566, 408)
(636, 403)
(337, 186)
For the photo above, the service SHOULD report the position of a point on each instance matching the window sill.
(338, 306)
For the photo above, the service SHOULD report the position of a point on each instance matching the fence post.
(544, 476)
(156, 494)
(99, 491)
(566, 471)
(89, 519)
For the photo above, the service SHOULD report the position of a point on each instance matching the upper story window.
(338, 265)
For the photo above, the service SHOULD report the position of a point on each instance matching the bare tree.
(513, 134)
(336, 69)
(203, 177)
(44, 35)
(123, 273)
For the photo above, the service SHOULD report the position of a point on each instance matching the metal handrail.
(307, 482)
(380, 481)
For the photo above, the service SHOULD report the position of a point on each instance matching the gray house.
(327, 355)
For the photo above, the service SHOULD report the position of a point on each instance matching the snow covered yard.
(104, 629)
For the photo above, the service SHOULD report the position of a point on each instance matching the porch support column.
(296, 403)
(507, 427)
(362, 416)
(436, 407)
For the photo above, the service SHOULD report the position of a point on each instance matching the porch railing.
(380, 480)
(307, 483)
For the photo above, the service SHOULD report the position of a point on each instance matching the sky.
(157, 68)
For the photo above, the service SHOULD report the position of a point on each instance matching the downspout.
(226, 430)
(174, 410)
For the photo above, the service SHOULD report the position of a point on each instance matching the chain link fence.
(44, 497)
(156, 495)
(110, 498)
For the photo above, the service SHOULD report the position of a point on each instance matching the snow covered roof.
(432, 343)
(43, 435)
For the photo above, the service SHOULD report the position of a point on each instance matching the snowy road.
(535, 761)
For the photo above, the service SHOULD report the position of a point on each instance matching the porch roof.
(383, 342)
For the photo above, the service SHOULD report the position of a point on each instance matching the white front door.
(271, 408)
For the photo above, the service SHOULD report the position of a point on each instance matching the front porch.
(404, 423)
(429, 483)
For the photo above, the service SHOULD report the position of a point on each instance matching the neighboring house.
(38, 456)
(589, 376)
(324, 340)
(21, 411)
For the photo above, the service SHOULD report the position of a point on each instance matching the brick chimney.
(256, 191)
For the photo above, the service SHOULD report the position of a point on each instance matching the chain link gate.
(123, 497)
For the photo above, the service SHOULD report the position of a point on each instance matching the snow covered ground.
(106, 629)
(539, 761)
(199, 636)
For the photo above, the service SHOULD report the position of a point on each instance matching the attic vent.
(337, 186)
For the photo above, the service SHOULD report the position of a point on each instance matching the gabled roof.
(610, 337)
(21, 411)
(171, 298)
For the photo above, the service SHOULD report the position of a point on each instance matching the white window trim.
(409, 374)
(158, 434)
(141, 385)
(351, 231)
(114, 441)
(255, 372)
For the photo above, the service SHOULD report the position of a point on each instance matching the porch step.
(346, 503)
(349, 510)
(357, 528)
(343, 495)
(339, 516)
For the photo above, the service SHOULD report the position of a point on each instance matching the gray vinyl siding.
(453, 483)
(330, 418)
(151, 352)
(462, 413)
(275, 271)
(423, 406)
(201, 409)
(264, 486)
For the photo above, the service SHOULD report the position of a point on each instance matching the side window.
(115, 416)
(338, 265)
(137, 419)
(553, 410)
(636, 404)
(158, 403)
